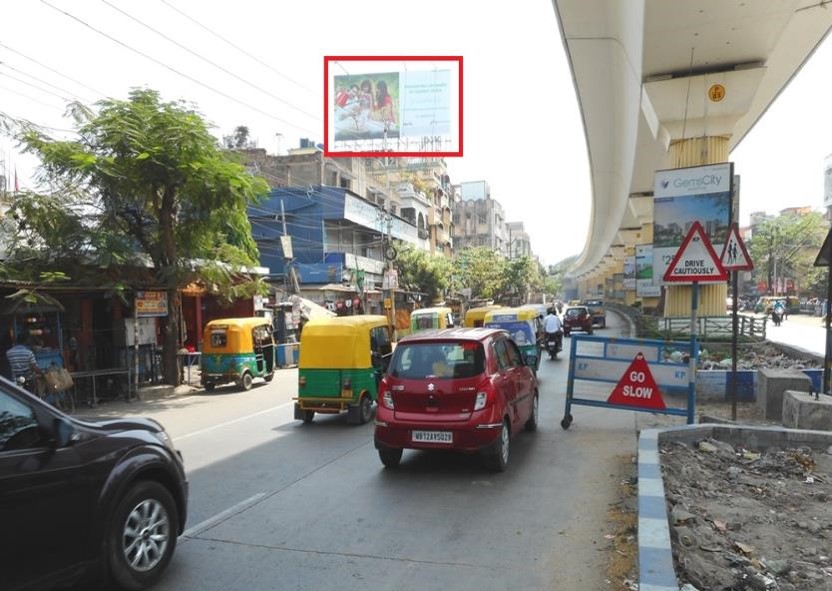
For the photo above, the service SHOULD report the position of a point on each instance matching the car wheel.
(245, 381)
(390, 456)
(308, 415)
(365, 409)
(269, 377)
(531, 424)
(142, 536)
(498, 461)
(209, 386)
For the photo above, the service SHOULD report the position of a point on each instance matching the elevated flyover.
(642, 70)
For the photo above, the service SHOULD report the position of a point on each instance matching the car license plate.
(433, 436)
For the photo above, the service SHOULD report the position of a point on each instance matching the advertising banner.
(426, 103)
(151, 303)
(683, 196)
(366, 106)
(630, 272)
(645, 288)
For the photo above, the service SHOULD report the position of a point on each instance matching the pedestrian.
(22, 362)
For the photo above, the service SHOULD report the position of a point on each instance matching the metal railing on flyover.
(751, 326)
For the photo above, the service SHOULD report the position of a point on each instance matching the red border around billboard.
(388, 58)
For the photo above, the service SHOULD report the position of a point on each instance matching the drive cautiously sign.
(696, 260)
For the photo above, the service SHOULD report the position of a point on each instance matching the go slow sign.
(637, 387)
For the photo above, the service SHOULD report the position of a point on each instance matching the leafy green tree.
(144, 182)
(482, 270)
(420, 271)
(240, 139)
(786, 247)
(521, 276)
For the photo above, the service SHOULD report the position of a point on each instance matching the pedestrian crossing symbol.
(734, 254)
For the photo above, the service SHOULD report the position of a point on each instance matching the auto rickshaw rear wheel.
(365, 409)
(209, 386)
(308, 415)
(245, 381)
(269, 377)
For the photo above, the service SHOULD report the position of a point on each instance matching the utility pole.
(386, 221)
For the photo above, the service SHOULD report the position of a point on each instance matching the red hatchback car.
(464, 389)
(577, 318)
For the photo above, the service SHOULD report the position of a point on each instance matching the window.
(18, 427)
(481, 218)
(380, 340)
(514, 354)
(219, 339)
(438, 360)
(503, 356)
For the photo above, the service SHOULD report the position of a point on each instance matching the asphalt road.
(801, 331)
(276, 504)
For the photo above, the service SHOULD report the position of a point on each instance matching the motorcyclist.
(553, 330)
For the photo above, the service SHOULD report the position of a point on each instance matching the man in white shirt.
(554, 331)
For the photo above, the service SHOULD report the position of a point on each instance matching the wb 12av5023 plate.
(432, 436)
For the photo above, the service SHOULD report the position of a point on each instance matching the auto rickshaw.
(340, 366)
(237, 350)
(521, 324)
(475, 316)
(428, 318)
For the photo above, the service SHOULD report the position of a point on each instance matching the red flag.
(16, 184)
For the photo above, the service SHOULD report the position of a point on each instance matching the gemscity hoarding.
(683, 196)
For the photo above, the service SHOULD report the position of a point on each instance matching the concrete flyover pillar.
(697, 151)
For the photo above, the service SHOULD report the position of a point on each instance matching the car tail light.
(387, 400)
(481, 400)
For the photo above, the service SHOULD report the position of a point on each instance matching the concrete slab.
(772, 383)
(802, 411)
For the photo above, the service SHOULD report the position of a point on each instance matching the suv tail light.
(481, 400)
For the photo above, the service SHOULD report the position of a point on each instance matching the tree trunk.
(170, 357)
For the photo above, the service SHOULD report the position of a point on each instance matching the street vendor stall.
(40, 323)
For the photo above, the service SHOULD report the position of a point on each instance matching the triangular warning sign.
(637, 387)
(695, 260)
(824, 256)
(734, 254)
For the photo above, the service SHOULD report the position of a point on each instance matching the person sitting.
(22, 361)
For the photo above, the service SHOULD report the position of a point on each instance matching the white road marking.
(231, 422)
(212, 521)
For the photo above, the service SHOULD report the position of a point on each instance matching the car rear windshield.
(574, 312)
(437, 360)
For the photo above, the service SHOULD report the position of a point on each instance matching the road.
(276, 504)
(801, 331)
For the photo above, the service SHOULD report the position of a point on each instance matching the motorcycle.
(553, 342)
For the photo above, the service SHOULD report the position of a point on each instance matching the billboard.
(645, 288)
(392, 106)
(629, 272)
(683, 196)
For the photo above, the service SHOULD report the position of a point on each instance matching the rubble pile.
(749, 519)
(755, 357)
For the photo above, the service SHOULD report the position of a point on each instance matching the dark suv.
(101, 501)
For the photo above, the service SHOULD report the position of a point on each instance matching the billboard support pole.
(827, 358)
(694, 352)
(734, 331)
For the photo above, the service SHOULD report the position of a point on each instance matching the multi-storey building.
(519, 244)
(478, 219)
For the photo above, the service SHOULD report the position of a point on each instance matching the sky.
(523, 132)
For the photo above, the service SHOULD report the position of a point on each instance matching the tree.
(786, 247)
(521, 277)
(144, 181)
(239, 140)
(482, 270)
(422, 272)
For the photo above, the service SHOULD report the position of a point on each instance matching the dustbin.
(287, 354)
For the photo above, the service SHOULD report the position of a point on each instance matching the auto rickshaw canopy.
(232, 335)
(427, 318)
(477, 315)
(338, 343)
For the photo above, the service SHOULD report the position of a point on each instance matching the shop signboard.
(151, 304)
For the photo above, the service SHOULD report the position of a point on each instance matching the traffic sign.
(734, 254)
(637, 387)
(696, 260)
(825, 252)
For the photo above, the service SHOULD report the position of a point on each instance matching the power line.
(42, 65)
(73, 95)
(238, 48)
(35, 86)
(172, 69)
(31, 98)
(208, 61)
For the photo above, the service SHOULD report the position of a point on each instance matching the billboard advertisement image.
(366, 106)
(686, 195)
(630, 272)
(645, 288)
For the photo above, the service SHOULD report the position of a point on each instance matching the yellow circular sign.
(716, 93)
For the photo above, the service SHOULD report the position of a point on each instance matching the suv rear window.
(414, 361)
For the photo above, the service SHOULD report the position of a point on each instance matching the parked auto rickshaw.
(521, 325)
(428, 318)
(475, 316)
(340, 366)
(237, 350)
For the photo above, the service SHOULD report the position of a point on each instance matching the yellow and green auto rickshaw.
(428, 318)
(340, 366)
(475, 316)
(522, 325)
(237, 350)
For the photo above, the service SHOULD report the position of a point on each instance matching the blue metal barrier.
(605, 360)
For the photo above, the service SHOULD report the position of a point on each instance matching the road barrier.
(641, 370)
